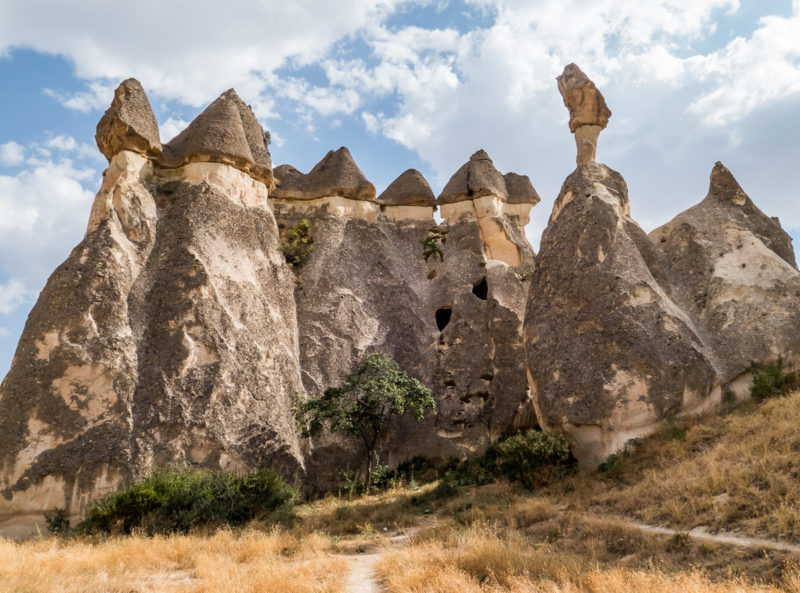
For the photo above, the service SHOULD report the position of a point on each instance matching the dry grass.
(225, 562)
(736, 472)
(487, 560)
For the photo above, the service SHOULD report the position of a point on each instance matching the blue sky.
(403, 84)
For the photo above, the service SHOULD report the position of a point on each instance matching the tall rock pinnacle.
(588, 113)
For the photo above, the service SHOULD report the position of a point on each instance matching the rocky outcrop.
(167, 336)
(733, 270)
(410, 189)
(335, 175)
(226, 132)
(129, 124)
(499, 205)
(610, 353)
(588, 112)
(368, 287)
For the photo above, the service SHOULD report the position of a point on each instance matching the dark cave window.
(481, 289)
(443, 317)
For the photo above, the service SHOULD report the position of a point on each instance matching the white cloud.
(4, 332)
(171, 128)
(750, 72)
(45, 208)
(201, 50)
(12, 295)
(12, 154)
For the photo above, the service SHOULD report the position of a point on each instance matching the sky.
(421, 83)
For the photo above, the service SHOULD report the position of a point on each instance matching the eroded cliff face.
(452, 320)
(167, 336)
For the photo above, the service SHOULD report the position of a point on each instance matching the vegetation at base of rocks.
(532, 458)
(364, 404)
(57, 522)
(297, 243)
(432, 244)
(573, 535)
(770, 379)
(179, 500)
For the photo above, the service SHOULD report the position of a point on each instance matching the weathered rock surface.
(478, 192)
(228, 132)
(409, 189)
(733, 270)
(588, 112)
(129, 124)
(335, 175)
(610, 353)
(168, 336)
(585, 102)
(367, 287)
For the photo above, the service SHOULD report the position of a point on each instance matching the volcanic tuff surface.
(176, 332)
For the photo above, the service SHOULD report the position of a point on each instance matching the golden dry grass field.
(737, 472)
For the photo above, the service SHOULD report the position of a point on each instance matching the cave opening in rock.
(443, 317)
(481, 289)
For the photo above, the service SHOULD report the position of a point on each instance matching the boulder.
(129, 124)
(477, 177)
(610, 352)
(588, 113)
(409, 189)
(520, 189)
(335, 175)
(733, 270)
(228, 132)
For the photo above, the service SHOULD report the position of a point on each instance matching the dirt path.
(699, 533)
(362, 577)
(362, 573)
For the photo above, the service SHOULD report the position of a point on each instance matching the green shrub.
(297, 243)
(533, 458)
(431, 245)
(177, 500)
(57, 522)
(769, 379)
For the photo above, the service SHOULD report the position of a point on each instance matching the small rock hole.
(481, 289)
(443, 317)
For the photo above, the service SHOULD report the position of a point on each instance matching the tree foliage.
(364, 404)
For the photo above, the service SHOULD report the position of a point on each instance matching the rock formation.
(177, 333)
(610, 354)
(624, 331)
(167, 336)
(367, 286)
(588, 113)
(733, 270)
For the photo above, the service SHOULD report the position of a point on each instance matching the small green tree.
(363, 405)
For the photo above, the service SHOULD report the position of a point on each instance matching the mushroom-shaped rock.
(477, 177)
(129, 124)
(520, 189)
(588, 112)
(227, 132)
(335, 175)
(409, 189)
